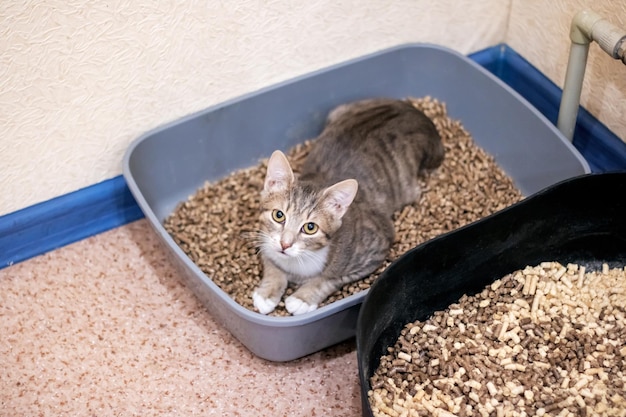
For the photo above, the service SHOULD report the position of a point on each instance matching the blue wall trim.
(92, 210)
(602, 149)
(71, 217)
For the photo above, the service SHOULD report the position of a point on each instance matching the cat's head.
(299, 218)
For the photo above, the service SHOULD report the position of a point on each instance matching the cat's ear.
(338, 197)
(279, 176)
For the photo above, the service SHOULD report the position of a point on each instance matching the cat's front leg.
(271, 289)
(310, 294)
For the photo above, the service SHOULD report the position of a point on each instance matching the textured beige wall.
(539, 31)
(79, 80)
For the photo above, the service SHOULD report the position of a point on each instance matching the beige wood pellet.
(558, 352)
(211, 226)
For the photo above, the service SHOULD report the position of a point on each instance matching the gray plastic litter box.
(165, 166)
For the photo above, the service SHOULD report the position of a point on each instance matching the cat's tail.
(433, 152)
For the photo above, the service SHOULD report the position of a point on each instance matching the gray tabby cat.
(317, 230)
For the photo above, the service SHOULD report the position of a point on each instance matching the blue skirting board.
(95, 209)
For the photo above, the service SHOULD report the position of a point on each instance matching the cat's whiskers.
(256, 238)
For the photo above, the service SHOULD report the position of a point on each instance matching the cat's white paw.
(296, 306)
(264, 305)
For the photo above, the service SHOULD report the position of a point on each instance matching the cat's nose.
(285, 245)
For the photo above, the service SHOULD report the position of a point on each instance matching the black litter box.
(579, 220)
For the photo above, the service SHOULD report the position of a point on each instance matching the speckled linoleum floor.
(105, 327)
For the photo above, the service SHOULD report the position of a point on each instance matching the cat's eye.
(278, 216)
(310, 228)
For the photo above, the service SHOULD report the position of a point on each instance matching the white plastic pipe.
(572, 89)
(586, 27)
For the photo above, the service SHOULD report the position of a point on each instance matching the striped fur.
(383, 144)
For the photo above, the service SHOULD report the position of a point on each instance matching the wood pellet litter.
(549, 340)
(211, 226)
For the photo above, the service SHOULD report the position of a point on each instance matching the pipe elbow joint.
(588, 26)
(582, 27)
